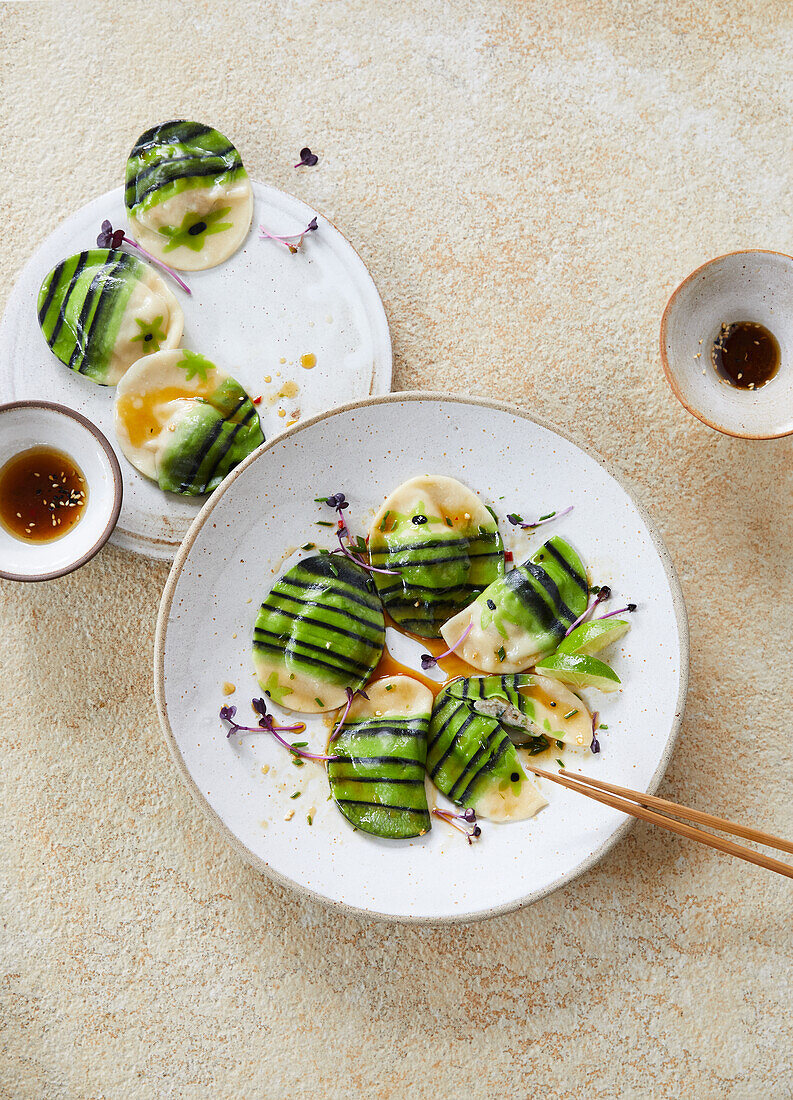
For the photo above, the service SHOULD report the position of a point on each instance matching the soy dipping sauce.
(43, 494)
(745, 354)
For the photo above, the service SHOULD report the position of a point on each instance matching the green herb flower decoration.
(194, 363)
(150, 335)
(194, 230)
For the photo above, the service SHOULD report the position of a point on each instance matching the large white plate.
(236, 547)
(255, 316)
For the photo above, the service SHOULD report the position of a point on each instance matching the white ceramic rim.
(670, 375)
(118, 489)
(162, 628)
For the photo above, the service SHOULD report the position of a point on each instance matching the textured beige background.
(527, 183)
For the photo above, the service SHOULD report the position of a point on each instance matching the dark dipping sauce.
(745, 354)
(43, 494)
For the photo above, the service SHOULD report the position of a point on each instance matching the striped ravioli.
(188, 195)
(319, 631)
(535, 711)
(443, 544)
(471, 759)
(183, 423)
(103, 309)
(523, 616)
(378, 779)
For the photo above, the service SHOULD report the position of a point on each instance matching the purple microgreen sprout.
(307, 158)
(604, 593)
(350, 696)
(467, 816)
(114, 238)
(339, 502)
(428, 661)
(630, 607)
(288, 238)
(267, 725)
(595, 746)
(517, 521)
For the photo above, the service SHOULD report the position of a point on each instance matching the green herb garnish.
(502, 656)
(296, 794)
(571, 713)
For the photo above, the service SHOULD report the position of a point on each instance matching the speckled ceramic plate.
(236, 547)
(256, 316)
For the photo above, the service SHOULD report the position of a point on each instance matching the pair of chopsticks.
(655, 810)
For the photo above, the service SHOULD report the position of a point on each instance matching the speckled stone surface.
(527, 184)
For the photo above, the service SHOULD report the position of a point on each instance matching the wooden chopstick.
(638, 804)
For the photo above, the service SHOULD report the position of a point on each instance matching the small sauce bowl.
(27, 424)
(754, 286)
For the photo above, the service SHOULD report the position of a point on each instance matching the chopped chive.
(559, 762)
(560, 744)
(324, 523)
(571, 713)
(307, 546)
(298, 762)
(299, 744)
(449, 522)
(296, 794)
(502, 653)
(309, 819)
(602, 727)
(389, 687)
(318, 701)
(382, 521)
(549, 516)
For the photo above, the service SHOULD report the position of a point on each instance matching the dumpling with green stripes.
(188, 196)
(101, 310)
(523, 616)
(471, 759)
(534, 710)
(320, 631)
(444, 547)
(184, 423)
(377, 776)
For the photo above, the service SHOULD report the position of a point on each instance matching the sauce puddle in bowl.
(43, 494)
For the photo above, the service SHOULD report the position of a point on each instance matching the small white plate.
(27, 424)
(752, 286)
(255, 315)
(235, 549)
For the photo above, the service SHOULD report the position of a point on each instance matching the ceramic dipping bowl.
(755, 286)
(26, 424)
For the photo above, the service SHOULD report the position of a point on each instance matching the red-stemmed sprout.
(604, 593)
(339, 502)
(467, 816)
(267, 725)
(114, 238)
(517, 521)
(288, 238)
(307, 158)
(428, 661)
(595, 745)
(630, 607)
(350, 696)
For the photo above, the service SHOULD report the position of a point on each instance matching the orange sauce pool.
(140, 412)
(451, 666)
(43, 494)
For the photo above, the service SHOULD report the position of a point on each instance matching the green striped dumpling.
(535, 711)
(444, 546)
(319, 631)
(523, 616)
(378, 779)
(184, 423)
(102, 309)
(471, 759)
(189, 199)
